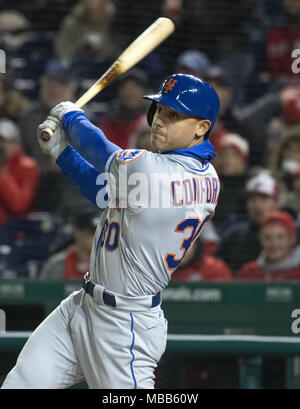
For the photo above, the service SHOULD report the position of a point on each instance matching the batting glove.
(57, 142)
(61, 109)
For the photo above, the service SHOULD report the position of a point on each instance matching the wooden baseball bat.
(134, 53)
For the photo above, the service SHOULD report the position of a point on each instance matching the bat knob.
(46, 134)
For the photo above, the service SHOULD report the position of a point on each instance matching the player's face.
(172, 130)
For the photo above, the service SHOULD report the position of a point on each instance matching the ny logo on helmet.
(169, 85)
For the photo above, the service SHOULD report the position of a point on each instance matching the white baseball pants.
(111, 348)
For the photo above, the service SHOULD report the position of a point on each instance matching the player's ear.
(202, 126)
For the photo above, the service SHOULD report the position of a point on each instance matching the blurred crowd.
(248, 50)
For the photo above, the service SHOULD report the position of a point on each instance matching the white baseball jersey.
(166, 199)
(138, 244)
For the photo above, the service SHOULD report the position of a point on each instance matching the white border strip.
(240, 338)
(15, 334)
(192, 337)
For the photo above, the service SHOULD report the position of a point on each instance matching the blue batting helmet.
(186, 94)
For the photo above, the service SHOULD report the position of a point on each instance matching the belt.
(110, 299)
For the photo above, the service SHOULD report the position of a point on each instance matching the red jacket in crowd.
(72, 269)
(19, 178)
(119, 131)
(253, 271)
(207, 268)
(64, 265)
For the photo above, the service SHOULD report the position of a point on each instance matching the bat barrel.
(134, 53)
(112, 73)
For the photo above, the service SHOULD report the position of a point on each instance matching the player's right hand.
(61, 109)
(57, 141)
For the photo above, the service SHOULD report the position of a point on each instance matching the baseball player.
(112, 332)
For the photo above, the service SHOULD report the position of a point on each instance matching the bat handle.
(45, 134)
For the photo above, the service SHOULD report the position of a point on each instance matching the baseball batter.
(112, 332)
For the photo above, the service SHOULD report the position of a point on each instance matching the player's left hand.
(61, 109)
(57, 141)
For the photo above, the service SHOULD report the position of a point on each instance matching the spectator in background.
(195, 266)
(254, 121)
(19, 174)
(226, 121)
(132, 17)
(47, 15)
(232, 156)
(216, 77)
(141, 137)
(73, 262)
(87, 30)
(12, 103)
(175, 44)
(280, 256)
(222, 29)
(288, 118)
(280, 41)
(56, 85)
(231, 165)
(262, 122)
(193, 62)
(56, 194)
(15, 30)
(240, 243)
(126, 111)
(288, 155)
(26, 50)
(57, 82)
(286, 168)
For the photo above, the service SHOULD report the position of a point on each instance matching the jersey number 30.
(109, 236)
(196, 227)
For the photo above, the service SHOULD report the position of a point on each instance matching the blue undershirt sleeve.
(83, 175)
(88, 139)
